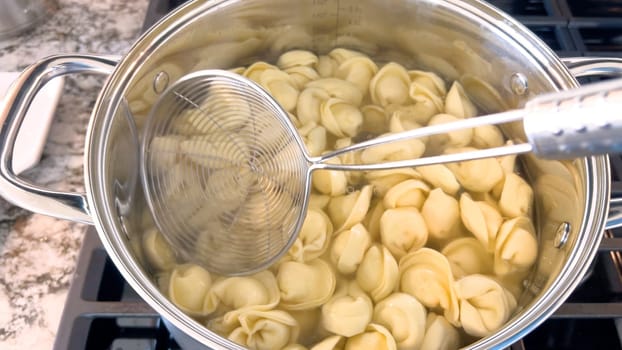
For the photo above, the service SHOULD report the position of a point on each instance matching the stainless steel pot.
(500, 63)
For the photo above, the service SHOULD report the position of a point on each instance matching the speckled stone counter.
(38, 253)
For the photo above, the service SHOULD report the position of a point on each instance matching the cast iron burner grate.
(103, 312)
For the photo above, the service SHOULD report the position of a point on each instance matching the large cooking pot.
(500, 63)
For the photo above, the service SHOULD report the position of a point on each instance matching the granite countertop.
(38, 253)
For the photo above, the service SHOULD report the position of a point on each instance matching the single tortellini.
(418, 92)
(479, 175)
(459, 138)
(399, 124)
(481, 219)
(314, 138)
(487, 136)
(375, 336)
(305, 285)
(339, 89)
(349, 247)
(296, 58)
(404, 317)
(458, 104)
(313, 238)
(516, 247)
(516, 197)
(330, 182)
(348, 312)
(484, 304)
(403, 230)
(301, 75)
(383, 180)
(358, 70)
(280, 86)
(390, 85)
(409, 116)
(467, 256)
(235, 294)
(400, 150)
(372, 219)
(438, 175)
(158, 252)
(188, 286)
(265, 330)
(255, 70)
(426, 275)
(428, 80)
(439, 334)
(309, 104)
(378, 272)
(333, 342)
(441, 213)
(350, 209)
(340, 118)
(409, 193)
(375, 120)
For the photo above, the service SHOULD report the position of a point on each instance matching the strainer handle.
(586, 67)
(65, 205)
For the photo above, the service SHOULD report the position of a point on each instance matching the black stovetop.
(103, 312)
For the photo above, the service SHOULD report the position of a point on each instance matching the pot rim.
(597, 179)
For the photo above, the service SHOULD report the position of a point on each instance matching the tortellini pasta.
(467, 256)
(305, 285)
(157, 251)
(313, 238)
(409, 193)
(426, 275)
(516, 196)
(484, 304)
(265, 330)
(390, 85)
(439, 334)
(348, 312)
(516, 247)
(481, 219)
(378, 272)
(188, 286)
(403, 230)
(441, 213)
(350, 209)
(374, 337)
(235, 294)
(479, 175)
(349, 248)
(411, 258)
(404, 317)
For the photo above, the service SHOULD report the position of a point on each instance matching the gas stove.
(103, 312)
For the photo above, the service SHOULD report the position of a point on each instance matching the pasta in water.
(348, 312)
(432, 257)
(404, 317)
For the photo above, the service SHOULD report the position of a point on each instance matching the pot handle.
(585, 67)
(65, 205)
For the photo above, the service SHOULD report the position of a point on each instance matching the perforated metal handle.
(575, 123)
